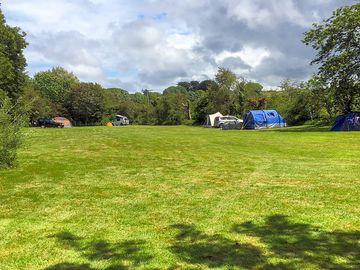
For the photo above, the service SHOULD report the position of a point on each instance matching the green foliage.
(299, 103)
(117, 101)
(12, 119)
(175, 90)
(55, 85)
(143, 107)
(85, 103)
(206, 84)
(227, 94)
(39, 106)
(220, 94)
(171, 109)
(200, 107)
(12, 81)
(322, 97)
(337, 42)
(12, 60)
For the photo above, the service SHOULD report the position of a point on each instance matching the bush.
(188, 122)
(12, 118)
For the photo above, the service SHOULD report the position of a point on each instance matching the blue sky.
(156, 43)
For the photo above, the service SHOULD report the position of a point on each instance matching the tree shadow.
(280, 244)
(120, 255)
(196, 247)
(306, 244)
(276, 243)
(300, 129)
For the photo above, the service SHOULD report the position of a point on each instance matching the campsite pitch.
(142, 197)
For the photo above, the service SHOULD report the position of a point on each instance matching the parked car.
(220, 121)
(48, 122)
(120, 120)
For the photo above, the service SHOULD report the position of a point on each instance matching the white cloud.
(87, 72)
(182, 41)
(268, 14)
(250, 55)
(154, 43)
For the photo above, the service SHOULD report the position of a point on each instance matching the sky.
(152, 44)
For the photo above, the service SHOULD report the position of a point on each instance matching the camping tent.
(210, 119)
(66, 122)
(258, 119)
(347, 122)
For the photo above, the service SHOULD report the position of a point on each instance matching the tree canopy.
(55, 84)
(337, 41)
(12, 60)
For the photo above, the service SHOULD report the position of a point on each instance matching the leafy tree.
(117, 101)
(12, 79)
(172, 108)
(12, 119)
(252, 90)
(337, 41)
(143, 110)
(176, 90)
(226, 95)
(206, 84)
(56, 85)
(252, 97)
(38, 105)
(185, 97)
(276, 99)
(322, 98)
(12, 60)
(257, 103)
(186, 85)
(219, 94)
(190, 86)
(85, 103)
(194, 86)
(299, 103)
(201, 105)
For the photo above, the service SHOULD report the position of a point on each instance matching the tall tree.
(117, 101)
(172, 108)
(38, 105)
(12, 60)
(337, 41)
(86, 103)
(55, 84)
(226, 96)
(12, 80)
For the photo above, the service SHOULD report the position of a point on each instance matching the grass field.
(142, 197)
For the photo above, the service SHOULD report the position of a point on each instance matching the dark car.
(47, 122)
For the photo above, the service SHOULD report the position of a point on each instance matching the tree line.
(57, 92)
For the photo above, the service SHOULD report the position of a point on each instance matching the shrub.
(12, 119)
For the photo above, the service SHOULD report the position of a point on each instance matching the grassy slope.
(182, 198)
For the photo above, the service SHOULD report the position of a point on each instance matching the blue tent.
(257, 119)
(347, 122)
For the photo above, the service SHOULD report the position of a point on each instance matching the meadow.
(177, 197)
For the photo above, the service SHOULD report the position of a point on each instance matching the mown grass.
(143, 197)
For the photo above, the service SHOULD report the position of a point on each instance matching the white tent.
(210, 119)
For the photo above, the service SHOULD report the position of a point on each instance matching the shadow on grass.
(284, 245)
(196, 247)
(121, 255)
(300, 129)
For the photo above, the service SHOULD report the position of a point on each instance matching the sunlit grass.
(182, 198)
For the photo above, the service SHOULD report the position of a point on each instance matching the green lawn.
(142, 197)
